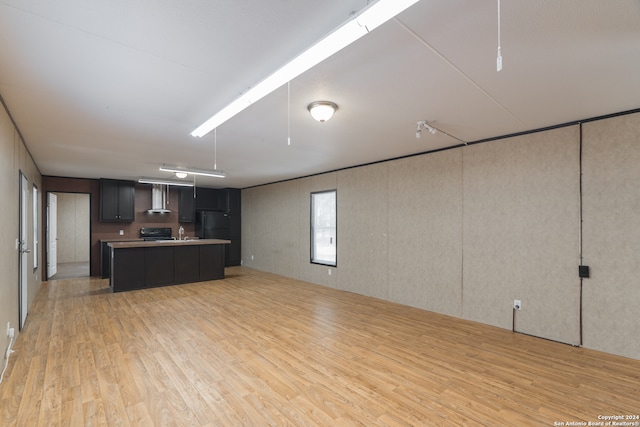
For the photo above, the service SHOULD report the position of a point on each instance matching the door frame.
(23, 250)
(46, 227)
(50, 196)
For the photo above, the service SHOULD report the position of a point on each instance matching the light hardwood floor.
(68, 270)
(258, 349)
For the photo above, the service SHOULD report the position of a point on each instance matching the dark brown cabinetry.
(187, 264)
(212, 262)
(117, 200)
(159, 266)
(150, 265)
(233, 200)
(233, 253)
(128, 266)
(186, 205)
(211, 199)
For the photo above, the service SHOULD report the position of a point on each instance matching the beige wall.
(466, 231)
(14, 158)
(425, 232)
(74, 226)
(521, 233)
(611, 241)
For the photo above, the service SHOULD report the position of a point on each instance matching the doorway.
(69, 235)
(23, 244)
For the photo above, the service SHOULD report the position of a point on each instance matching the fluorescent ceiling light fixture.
(371, 18)
(165, 182)
(202, 172)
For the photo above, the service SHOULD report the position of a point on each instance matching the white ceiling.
(113, 88)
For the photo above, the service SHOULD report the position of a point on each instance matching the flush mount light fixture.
(371, 18)
(181, 175)
(165, 182)
(322, 110)
(202, 172)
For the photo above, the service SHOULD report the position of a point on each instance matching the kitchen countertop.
(159, 243)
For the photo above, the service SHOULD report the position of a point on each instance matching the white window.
(323, 228)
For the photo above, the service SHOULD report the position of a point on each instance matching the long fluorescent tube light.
(371, 18)
(213, 173)
(165, 182)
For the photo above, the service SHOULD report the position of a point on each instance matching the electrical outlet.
(122, 232)
(517, 304)
(11, 332)
(329, 272)
(251, 257)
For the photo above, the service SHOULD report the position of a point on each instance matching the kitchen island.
(148, 264)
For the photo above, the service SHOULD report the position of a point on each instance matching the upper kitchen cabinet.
(117, 200)
(211, 199)
(233, 200)
(186, 205)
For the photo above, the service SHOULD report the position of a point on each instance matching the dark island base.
(147, 267)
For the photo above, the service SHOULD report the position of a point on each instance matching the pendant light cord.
(499, 58)
(289, 112)
(215, 149)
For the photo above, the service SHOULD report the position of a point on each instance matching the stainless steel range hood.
(158, 199)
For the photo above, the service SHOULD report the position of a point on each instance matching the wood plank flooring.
(258, 349)
(68, 270)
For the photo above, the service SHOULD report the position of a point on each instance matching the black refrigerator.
(221, 225)
(212, 225)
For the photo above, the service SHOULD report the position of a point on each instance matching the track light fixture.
(165, 182)
(370, 18)
(427, 126)
(176, 169)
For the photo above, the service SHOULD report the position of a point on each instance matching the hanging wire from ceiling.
(499, 58)
(215, 149)
(289, 112)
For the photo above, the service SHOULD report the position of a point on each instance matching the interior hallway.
(68, 270)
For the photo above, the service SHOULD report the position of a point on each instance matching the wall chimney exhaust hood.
(158, 199)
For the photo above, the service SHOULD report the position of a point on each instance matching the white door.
(24, 249)
(52, 234)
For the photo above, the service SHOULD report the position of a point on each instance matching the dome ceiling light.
(322, 110)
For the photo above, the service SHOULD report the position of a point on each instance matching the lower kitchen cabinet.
(212, 262)
(139, 265)
(129, 266)
(160, 266)
(187, 264)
